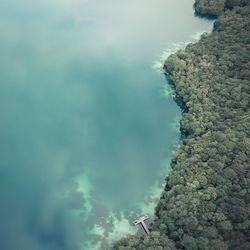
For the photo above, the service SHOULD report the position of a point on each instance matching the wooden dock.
(141, 221)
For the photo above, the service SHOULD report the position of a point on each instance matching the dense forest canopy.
(205, 204)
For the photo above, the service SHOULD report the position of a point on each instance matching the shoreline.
(194, 201)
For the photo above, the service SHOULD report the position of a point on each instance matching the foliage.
(205, 204)
(210, 7)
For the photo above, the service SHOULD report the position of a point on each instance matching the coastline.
(193, 210)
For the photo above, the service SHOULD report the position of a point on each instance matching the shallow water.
(87, 128)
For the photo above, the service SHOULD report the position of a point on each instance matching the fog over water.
(87, 128)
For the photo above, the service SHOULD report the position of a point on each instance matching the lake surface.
(87, 128)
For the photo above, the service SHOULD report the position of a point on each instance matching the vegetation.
(210, 7)
(205, 204)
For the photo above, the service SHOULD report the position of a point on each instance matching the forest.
(205, 204)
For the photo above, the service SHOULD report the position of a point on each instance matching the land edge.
(124, 243)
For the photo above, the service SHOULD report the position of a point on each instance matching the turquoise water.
(87, 128)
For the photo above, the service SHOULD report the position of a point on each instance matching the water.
(86, 131)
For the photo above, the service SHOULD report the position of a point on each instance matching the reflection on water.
(86, 136)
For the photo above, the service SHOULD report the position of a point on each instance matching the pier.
(141, 221)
